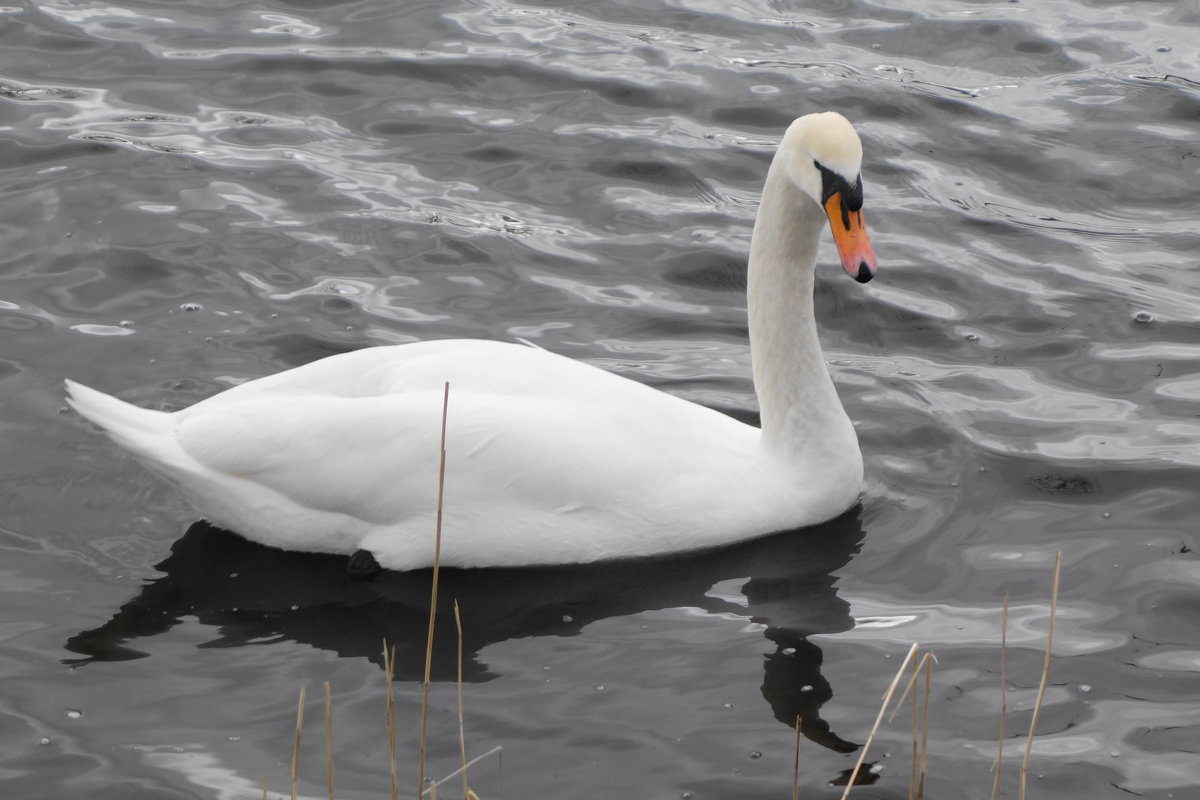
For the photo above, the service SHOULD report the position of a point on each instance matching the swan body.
(549, 460)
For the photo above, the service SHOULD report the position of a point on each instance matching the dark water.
(196, 194)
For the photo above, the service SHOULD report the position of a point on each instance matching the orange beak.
(850, 236)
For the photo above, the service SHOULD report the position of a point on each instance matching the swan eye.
(833, 183)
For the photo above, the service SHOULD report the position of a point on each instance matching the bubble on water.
(126, 323)
(972, 337)
(727, 705)
(1143, 317)
(789, 651)
(234, 738)
(1085, 687)
(1106, 514)
(876, 769)
(45, 740)
(74, 714)
(755, 754)
(806, 687)
(599, 687)
(1164, 49)
(191, 307)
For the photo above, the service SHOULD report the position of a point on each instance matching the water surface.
(196, 195)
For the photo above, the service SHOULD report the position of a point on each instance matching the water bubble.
(191, 307)
(876, 769)
(789, 651)
(545, 667)
(968, 746)
(806, 687)
(1163, 49)
(1106, 514)
(972, 337)
(1143, 317)
(73, 714)
(295, 608)
(234, 738)
(755, 754)
(686, 796)
(727, 705)
(1116, 753)
(599, 687)
(45, 740)
(126, 323)
(1085, 687)
(568, 618)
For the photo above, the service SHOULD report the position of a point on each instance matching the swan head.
(823, 157)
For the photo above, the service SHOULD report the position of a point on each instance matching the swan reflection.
(254, 596)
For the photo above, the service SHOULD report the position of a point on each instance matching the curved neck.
(801, 413)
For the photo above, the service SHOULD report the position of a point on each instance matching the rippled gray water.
(192, 195)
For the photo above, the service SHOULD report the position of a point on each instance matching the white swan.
(550, 461)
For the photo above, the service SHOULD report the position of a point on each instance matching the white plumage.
(550, 460)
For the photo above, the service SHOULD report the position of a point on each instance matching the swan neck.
(801, 413)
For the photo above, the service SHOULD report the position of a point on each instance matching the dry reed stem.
(265, 785)
(329, 739)
(912, 682)
(1037, 705)
(912, 775)
(925, 726)
(471, 792)
(462, 729)
(296, 749)
(433, 594)
(887, 700)
(389, 672)
(796, 760)
(1003, 697)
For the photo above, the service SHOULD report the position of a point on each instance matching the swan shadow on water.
(254, 594)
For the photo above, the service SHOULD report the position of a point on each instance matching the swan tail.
(145, 433)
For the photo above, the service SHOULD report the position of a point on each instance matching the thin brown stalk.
(329, 739)
(912, 775)
(1003, 697)
(887, 700)
(796, 760)
(471, 792)
(433, 593)
(1037, 705)
(925, 726)
(912, 683)
(265, 785)
(462, 728)
(296, 749)
(389, 672)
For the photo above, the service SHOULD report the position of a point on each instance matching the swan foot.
(362, 566)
